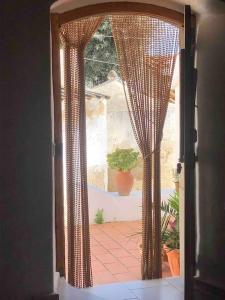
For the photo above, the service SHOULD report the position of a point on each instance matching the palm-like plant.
(170, 222)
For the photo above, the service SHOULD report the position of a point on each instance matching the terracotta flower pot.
(174, 261)
(124, 182)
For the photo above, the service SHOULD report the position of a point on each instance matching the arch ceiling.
(198, 6)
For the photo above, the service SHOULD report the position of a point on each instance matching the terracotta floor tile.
(129, 261)
(97, 267)
(116, 235)
(131, 245)
(103, 278)
(97, 250)
(135, 224)
(116, 268)
(119, 239)
(125, 277)
(135, 252)
(106, 258)
(93, 242)
(94, 230)
(135, 270)
(102, 237)
(111, 245)
(126, 231)
(119, 252)
(116, 254)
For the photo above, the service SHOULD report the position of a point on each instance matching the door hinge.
(194, 135)
(193, 161)
(179, 168)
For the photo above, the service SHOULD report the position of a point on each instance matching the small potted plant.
(123, 160)
(171, 236)
(99, 217)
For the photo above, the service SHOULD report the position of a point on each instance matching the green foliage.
(123, 159)
(171, 206)
(171, 234)
(99, 217)
(172, 239)
(101, 47)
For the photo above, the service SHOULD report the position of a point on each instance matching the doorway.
(115, 235)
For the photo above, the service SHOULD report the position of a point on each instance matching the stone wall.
(96, 124)
(168, 148)
(109, 128)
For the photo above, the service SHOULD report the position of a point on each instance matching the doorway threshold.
(157, 289)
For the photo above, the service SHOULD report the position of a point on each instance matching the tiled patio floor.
(115, 252)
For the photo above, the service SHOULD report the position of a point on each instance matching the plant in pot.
(123, 160)
(99, 217)
(171, 235)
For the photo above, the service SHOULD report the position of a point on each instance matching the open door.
(188, 139)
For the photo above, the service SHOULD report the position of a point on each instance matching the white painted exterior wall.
(96, 133)
(115, 207)
(119, 134)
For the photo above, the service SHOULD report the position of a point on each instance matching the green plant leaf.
(171, 236)
(123, 159)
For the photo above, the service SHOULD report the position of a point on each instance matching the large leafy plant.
(170, 236)
(123, 159)
(170, 219)
(101, 56)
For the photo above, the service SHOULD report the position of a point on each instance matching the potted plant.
(123, 160)
(99, 217)
(171, 236)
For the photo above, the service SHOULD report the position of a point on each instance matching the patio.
(115, 252)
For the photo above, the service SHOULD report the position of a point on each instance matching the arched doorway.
(114, 8)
